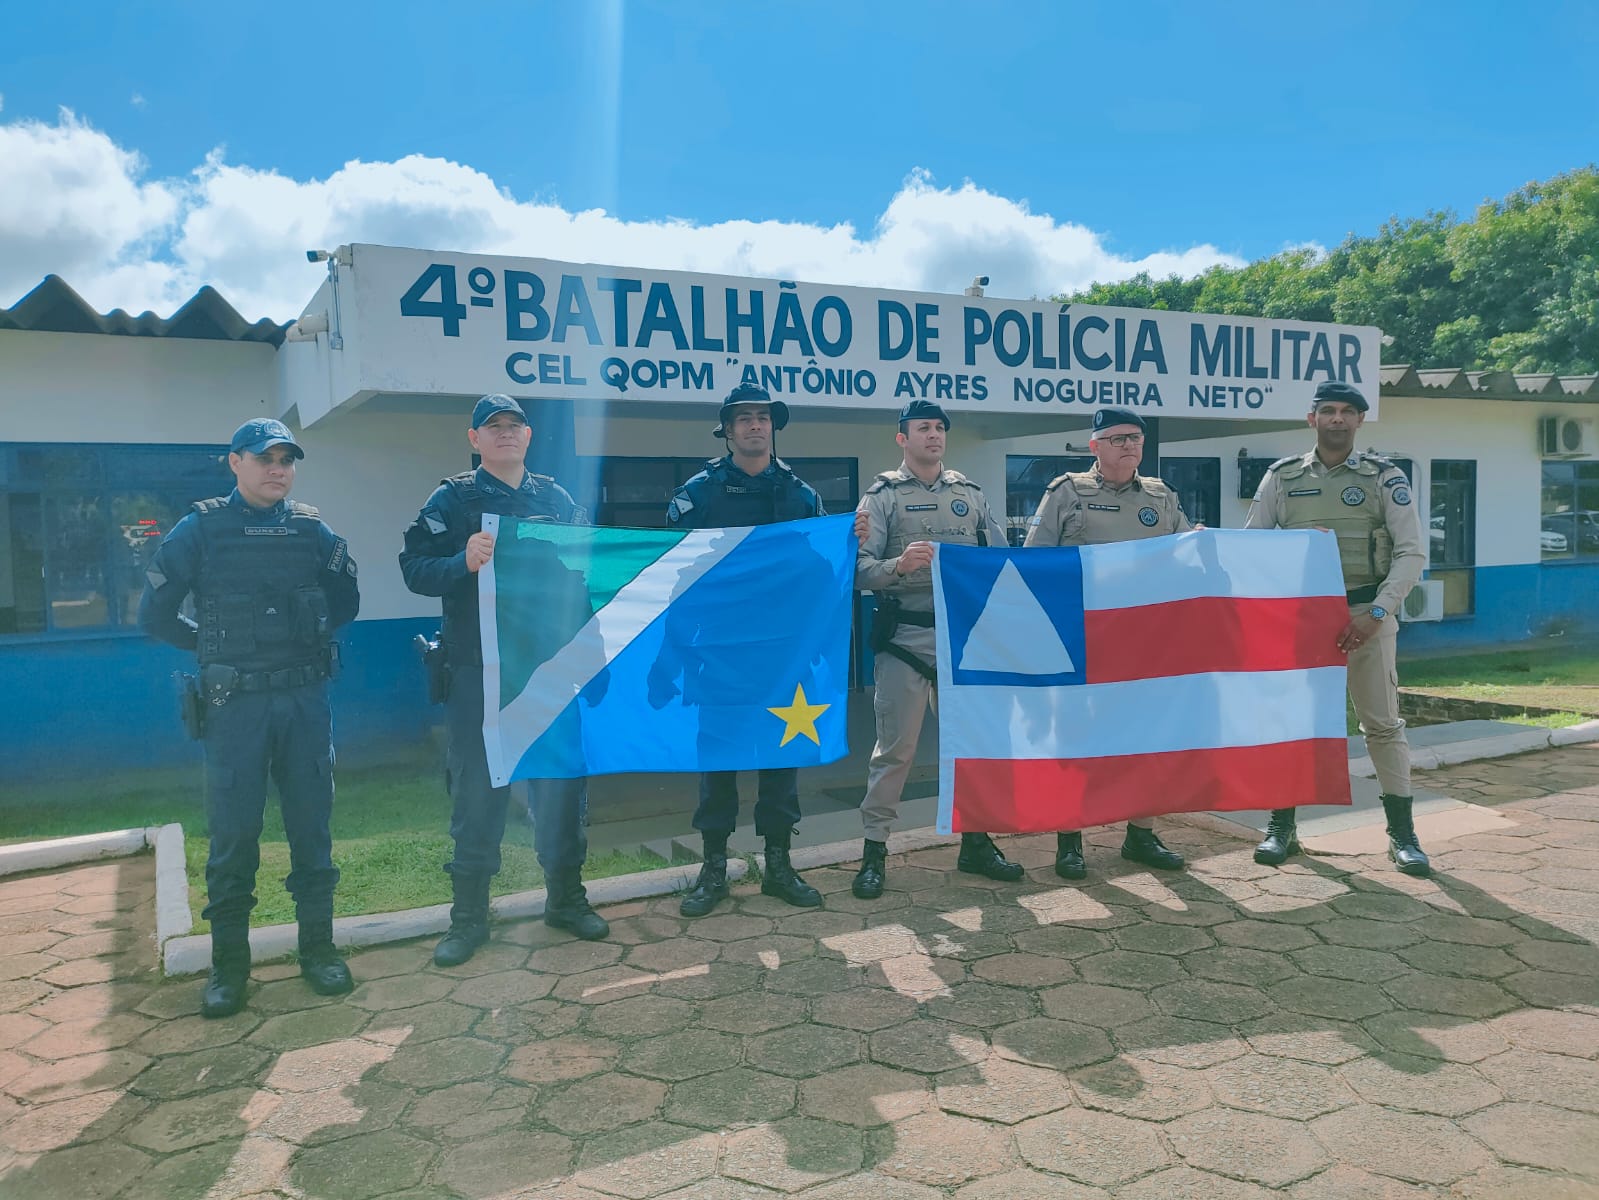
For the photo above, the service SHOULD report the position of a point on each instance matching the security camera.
(981, 281)
(317, 256)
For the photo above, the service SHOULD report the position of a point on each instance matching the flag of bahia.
(1083, 685)
(614, 650)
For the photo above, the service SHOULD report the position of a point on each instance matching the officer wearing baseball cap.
(1111, 502)
(749, 485)
(1365, 500)
(271, 582)
(902, 515)
(445, 548)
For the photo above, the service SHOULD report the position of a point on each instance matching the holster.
(436, 663)
(191, 708)
(885, 624)
(217, 683)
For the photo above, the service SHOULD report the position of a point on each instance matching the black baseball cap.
(260, 435)
(494, 403)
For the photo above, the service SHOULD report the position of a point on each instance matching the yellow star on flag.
(799, 717)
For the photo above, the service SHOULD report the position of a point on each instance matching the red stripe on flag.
(1041, 795)
(1214, 633)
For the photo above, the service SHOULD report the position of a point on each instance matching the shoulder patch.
(1283, 462)
(680, 507)
(1401, 495)
(340, 556)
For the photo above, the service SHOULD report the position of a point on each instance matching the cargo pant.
(900, 699)
(1374, 690)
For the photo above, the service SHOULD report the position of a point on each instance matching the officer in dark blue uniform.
(270, 583)
(445, 548)
(749, 485)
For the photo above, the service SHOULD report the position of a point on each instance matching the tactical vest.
(1346, 500)
(1121, 516)
(259, 599)
(546, 501)
(726, 496)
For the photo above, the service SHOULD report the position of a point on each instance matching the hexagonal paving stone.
(730, 1098)
(1545, 989)
(1207, 1000)
(770, 950)
(1289, 1035)
(863, 1009)
(1269, 936)
(1467, 931)
(1348, 962)
(1341, 1182)
(183, 1124)
(601, 1103)
(1179, 1042)
(83, 1119)
(1062, 941)
(1343, 1001)
(1091, 1147)
(891, 940)
(1187, 1183)
(682, 1055)
(1279, 1087)
(803, 1051)
(560, 1058)
(1129, 968)
(865, 1095)
(1435, 1151)
(1420, 1085)
(447, 1060)
(1446, 958)
(400, 991)
(605, 985)
(1552, 1031)
(1426, 1035)
(1024, 1184)
(1149, 938)
(717, 979)
(293, 1031)
(646, 1160)
(573, 958)
(791, 1154)
(1442, 994)
(757, 1012)
(424, 1023)
(315, 1118)
(640, 1016)
(1046, 1042)
(939, 1150)
(1149, 1091)
(1558, 956)
(728, 927)
(982, 1004)
(1001, 1090)
(1380, 906)
(928, 1045)
(16, 1028)
(94, 1172)
(376, 1164)
(1095, 1004)
(68, 1077)
(1263, 1149)
(1499, 1182)
(1548, 1078)
(813, 977)
(71, 1038)
(470, 1110)
(509, 1162)
(502, 989)
(1240, 964)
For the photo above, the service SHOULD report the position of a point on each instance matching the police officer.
(270, 583)
(1365, 500)
(902, 514)
(1110, 502)
(445, 548)
(749, 485)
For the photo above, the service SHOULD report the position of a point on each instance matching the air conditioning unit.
(1565, 437)
(1425, 602)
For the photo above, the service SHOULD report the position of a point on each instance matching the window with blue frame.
(78, 524)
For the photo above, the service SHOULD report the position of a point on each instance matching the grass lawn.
(390, 835)
(1564, 678)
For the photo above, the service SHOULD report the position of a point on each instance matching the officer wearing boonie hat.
(749, 485)
(445, 548)
(1365, 500)
(270, 583)
(902, 515)
(1111, 502)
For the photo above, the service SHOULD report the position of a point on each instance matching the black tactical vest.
(728, 497)
(259, 600)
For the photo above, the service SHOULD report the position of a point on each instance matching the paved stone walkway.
(1331, 1029)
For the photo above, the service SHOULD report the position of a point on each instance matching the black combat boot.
(321, 965)
(979, 856)
(1142, 846)
(229, 980)
(781, 880)
(566, 906)
(868, 883)
(710, 887)
(1281, 840)
(1403, 848)
(1069, 862)
(469, 921)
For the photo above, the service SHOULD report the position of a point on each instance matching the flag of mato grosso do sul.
(609, 650)
(1079, 686)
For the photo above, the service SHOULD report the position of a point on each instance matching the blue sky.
(1201, 132)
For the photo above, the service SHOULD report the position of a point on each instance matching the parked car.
(1550, 542)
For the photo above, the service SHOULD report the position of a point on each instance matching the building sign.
(432, 322)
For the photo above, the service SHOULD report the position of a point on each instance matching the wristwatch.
(1378, 611)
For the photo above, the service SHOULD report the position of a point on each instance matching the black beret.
(1106, 418)
(1343, 393)
(923, 410)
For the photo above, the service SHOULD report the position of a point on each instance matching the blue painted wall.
(1514, 604)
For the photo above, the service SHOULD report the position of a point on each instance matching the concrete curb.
(1432, 757)
(172, 916)
(60, 852)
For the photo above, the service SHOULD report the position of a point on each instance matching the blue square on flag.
(1014, 618)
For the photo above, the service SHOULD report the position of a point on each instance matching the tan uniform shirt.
(1366, 501)
(901, 510)
(1081, 509)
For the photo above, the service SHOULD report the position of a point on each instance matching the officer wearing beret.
(445, 548)
(1111, 502)
(270, 583)
(1365, 500)
(903, 513)
(749, 485)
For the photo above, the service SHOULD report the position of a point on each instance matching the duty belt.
(918, 619)
(1363, 595)
(273, 681)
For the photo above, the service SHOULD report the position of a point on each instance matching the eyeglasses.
(1124, 439)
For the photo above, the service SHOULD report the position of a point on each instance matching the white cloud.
(76, 204)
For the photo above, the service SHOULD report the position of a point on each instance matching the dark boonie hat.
(493, 403)
(1343, 393)
(260, 435)
(749, 393)
(1109, 418)
(923, 410)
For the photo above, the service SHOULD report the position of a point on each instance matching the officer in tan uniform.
(1111, 502)
(902, 514)
(1364, 499)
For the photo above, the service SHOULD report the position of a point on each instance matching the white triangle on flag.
(1013, 634)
